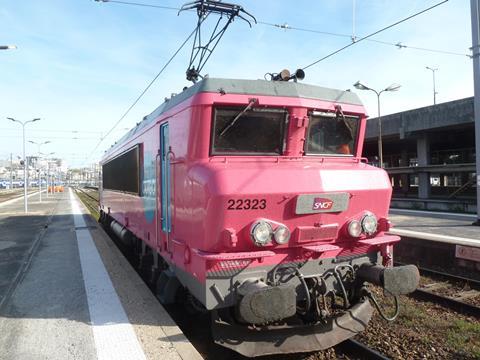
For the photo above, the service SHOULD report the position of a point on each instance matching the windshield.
(256, 131)
(331, 134)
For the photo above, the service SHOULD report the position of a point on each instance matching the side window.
(123, 172)
(330, 134)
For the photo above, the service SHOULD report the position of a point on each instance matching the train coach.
(251, 200)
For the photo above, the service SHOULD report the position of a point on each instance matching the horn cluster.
(285, 75)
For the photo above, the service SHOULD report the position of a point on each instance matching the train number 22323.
(247, 204)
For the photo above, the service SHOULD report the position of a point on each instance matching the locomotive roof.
(248, 87)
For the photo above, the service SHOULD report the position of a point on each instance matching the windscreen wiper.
(251, 102)
(345, 129)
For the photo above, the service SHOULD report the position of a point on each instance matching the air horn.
(285, 75)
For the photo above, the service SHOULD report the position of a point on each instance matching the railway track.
(89, 193)
(6, 195)
(90, 200)
(351, 349)
(433, 292)
(359, 350)
(447, 301)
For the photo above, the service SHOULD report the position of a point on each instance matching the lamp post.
(393, 87)
(39, 168)
(11, 171)
(48, 168)
(23, 123)
(434, 90)
(475, 14)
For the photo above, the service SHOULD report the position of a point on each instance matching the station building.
(429, 154)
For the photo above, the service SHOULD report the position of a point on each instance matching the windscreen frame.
(333, 116)
(239, 109)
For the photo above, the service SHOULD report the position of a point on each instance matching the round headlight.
(355, 228)
(369, 224)
(261, 233)
(282, 235)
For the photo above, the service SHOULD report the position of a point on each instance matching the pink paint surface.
(202, 186)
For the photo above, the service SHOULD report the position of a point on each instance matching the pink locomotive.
(252, 198)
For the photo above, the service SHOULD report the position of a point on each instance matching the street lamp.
(48, 167)
(23, 123)
(394, 87)
(39, 168)
(8, 47)
(434, 90)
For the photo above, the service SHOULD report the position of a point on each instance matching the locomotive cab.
(267, 214)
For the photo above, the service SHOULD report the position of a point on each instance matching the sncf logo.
(322, 204)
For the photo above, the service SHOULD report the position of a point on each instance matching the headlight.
(369, 224)
(282, 235)
(261, 233)
(355, 228)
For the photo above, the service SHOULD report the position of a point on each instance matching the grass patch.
(411, 315)
(461, 336)
(90, 204)
(464, 337)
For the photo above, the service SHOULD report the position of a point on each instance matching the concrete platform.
(451, 228)
(66, 292)
(19, 235)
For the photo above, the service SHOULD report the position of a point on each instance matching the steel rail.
(358, 349)
(90, 202)
(87, 194)
(431, 272)
(451, 303)
(447, 301)
(449, 276)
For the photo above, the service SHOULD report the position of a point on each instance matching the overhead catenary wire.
(144, 91)
(55, 130)
(53, 137)
(374, 33)
(140, 4)
(286, 26)
(398, 45)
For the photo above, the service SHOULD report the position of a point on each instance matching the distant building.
(428, 152)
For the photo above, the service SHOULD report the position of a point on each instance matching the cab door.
(165, 175)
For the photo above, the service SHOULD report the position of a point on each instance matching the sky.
(80, 64)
